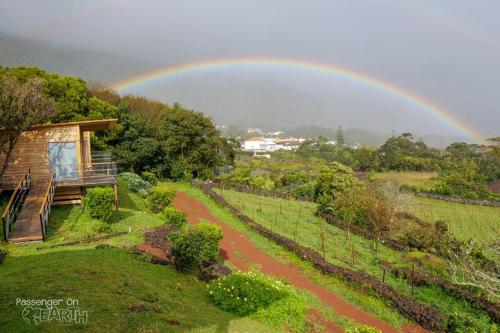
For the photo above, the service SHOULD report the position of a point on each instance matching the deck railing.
(100, 170)
(47, 204)
(15, 203)
(96, 174)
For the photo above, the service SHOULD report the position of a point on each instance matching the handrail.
(47, 204)
(15, 202)
(12, 197)
(47, 192)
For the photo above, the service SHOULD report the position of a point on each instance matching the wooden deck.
(27, 227)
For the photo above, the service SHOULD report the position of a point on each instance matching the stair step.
(26, 239)
(58, 197)
(67, 202)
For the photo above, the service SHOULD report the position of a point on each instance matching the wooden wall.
(31, 150)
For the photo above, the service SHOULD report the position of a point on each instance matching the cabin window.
(62, 160)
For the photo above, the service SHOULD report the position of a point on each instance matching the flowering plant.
(136, 184)
(245, 293)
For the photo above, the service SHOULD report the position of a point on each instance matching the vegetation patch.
(174, 216)
(195, 246)
(160, 197)
(99, 202)
(136, 184)
(262, 296)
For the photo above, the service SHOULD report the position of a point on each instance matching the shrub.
(160, 197)
(173, 216)
(136, 184)
(101, 227)
(332, 181)
(196, 245)
(100, 201)
(149, 177)
(362, 329)
(304, 190)
(245, 293)
(464, 323)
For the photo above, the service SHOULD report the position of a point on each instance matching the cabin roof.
(85, 125)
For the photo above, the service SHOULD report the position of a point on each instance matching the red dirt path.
(242, 252)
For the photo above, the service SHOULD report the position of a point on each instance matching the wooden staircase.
(68, 196)
(26, 216)
(27, 227)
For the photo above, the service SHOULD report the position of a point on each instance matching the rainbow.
(340, 72)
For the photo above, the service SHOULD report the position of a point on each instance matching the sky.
(446, 51)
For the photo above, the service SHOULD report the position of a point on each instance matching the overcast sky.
(447, 51)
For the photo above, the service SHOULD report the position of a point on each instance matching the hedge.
(160, 197)
(100, 202)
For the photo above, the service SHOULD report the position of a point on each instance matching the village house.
(52, 165)
(259, 144)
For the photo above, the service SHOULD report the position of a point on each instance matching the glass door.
(62, 159)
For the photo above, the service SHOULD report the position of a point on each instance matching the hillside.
(90, 65)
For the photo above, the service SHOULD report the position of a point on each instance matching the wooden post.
(115, 188)
(280, 208)
(323, 244)
(295, 230)
(412, 277)
(352, 250)
(383, 276)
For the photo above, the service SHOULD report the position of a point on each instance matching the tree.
(332, 181)
(23, 104)
(191, 139)
(340, 136)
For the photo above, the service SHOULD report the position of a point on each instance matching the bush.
(136, 184)
(160, 197)
(196, 245)
(332, 181)
(464, 323)
(101, 227)
(245, 293)
(173, 216)
(149, 177)
(100, 201)
(305, 190)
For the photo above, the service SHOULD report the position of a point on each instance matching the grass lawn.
(297, 220)
(120, 291)
(422, 180)
(464, 221)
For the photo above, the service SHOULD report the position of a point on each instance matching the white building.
(259, 144)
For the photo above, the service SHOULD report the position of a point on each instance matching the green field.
(464, 221)
(297, 221)
(424, 181)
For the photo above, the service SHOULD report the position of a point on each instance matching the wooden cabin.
(52, 165)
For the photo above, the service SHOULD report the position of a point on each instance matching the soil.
(240, 251)
(154, 251)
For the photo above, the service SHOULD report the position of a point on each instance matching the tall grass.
(464, 221)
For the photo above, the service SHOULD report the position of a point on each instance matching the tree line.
(170, 140)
